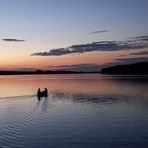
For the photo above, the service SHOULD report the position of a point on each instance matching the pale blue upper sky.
(66, 22)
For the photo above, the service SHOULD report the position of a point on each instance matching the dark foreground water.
(81, 111)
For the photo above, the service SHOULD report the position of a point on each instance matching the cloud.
(143, 38)
(78, 67)
(132, 60)
(135, 53)
(139, 42)
(99, 31)
(53, 52)
(13, 40)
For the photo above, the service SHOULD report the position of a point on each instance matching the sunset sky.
(72, 34)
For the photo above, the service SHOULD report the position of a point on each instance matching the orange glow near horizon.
(13, 62)
(46, 62)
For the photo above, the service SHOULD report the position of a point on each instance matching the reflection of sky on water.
(80, 111)
(95, 83)
(85, 88)
(99, 99)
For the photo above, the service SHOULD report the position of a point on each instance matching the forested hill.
(137, 69)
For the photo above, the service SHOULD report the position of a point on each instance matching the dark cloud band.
(139, 42)
(13, 40)
(137, 59)
(78, 67)
(135, 53)
(99, 31)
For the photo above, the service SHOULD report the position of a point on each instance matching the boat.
(42, 93)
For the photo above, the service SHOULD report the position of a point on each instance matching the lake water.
(81, 111)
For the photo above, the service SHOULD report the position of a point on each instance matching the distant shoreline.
(129, 69)
(41, 72)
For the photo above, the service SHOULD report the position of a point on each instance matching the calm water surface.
(81, 111)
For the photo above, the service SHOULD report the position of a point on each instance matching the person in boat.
(45, 92)
(39, 93)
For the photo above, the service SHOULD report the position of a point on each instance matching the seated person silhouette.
(42, 93)
(39, 93)
(45, 92)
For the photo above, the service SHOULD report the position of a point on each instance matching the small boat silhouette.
(42, 93)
